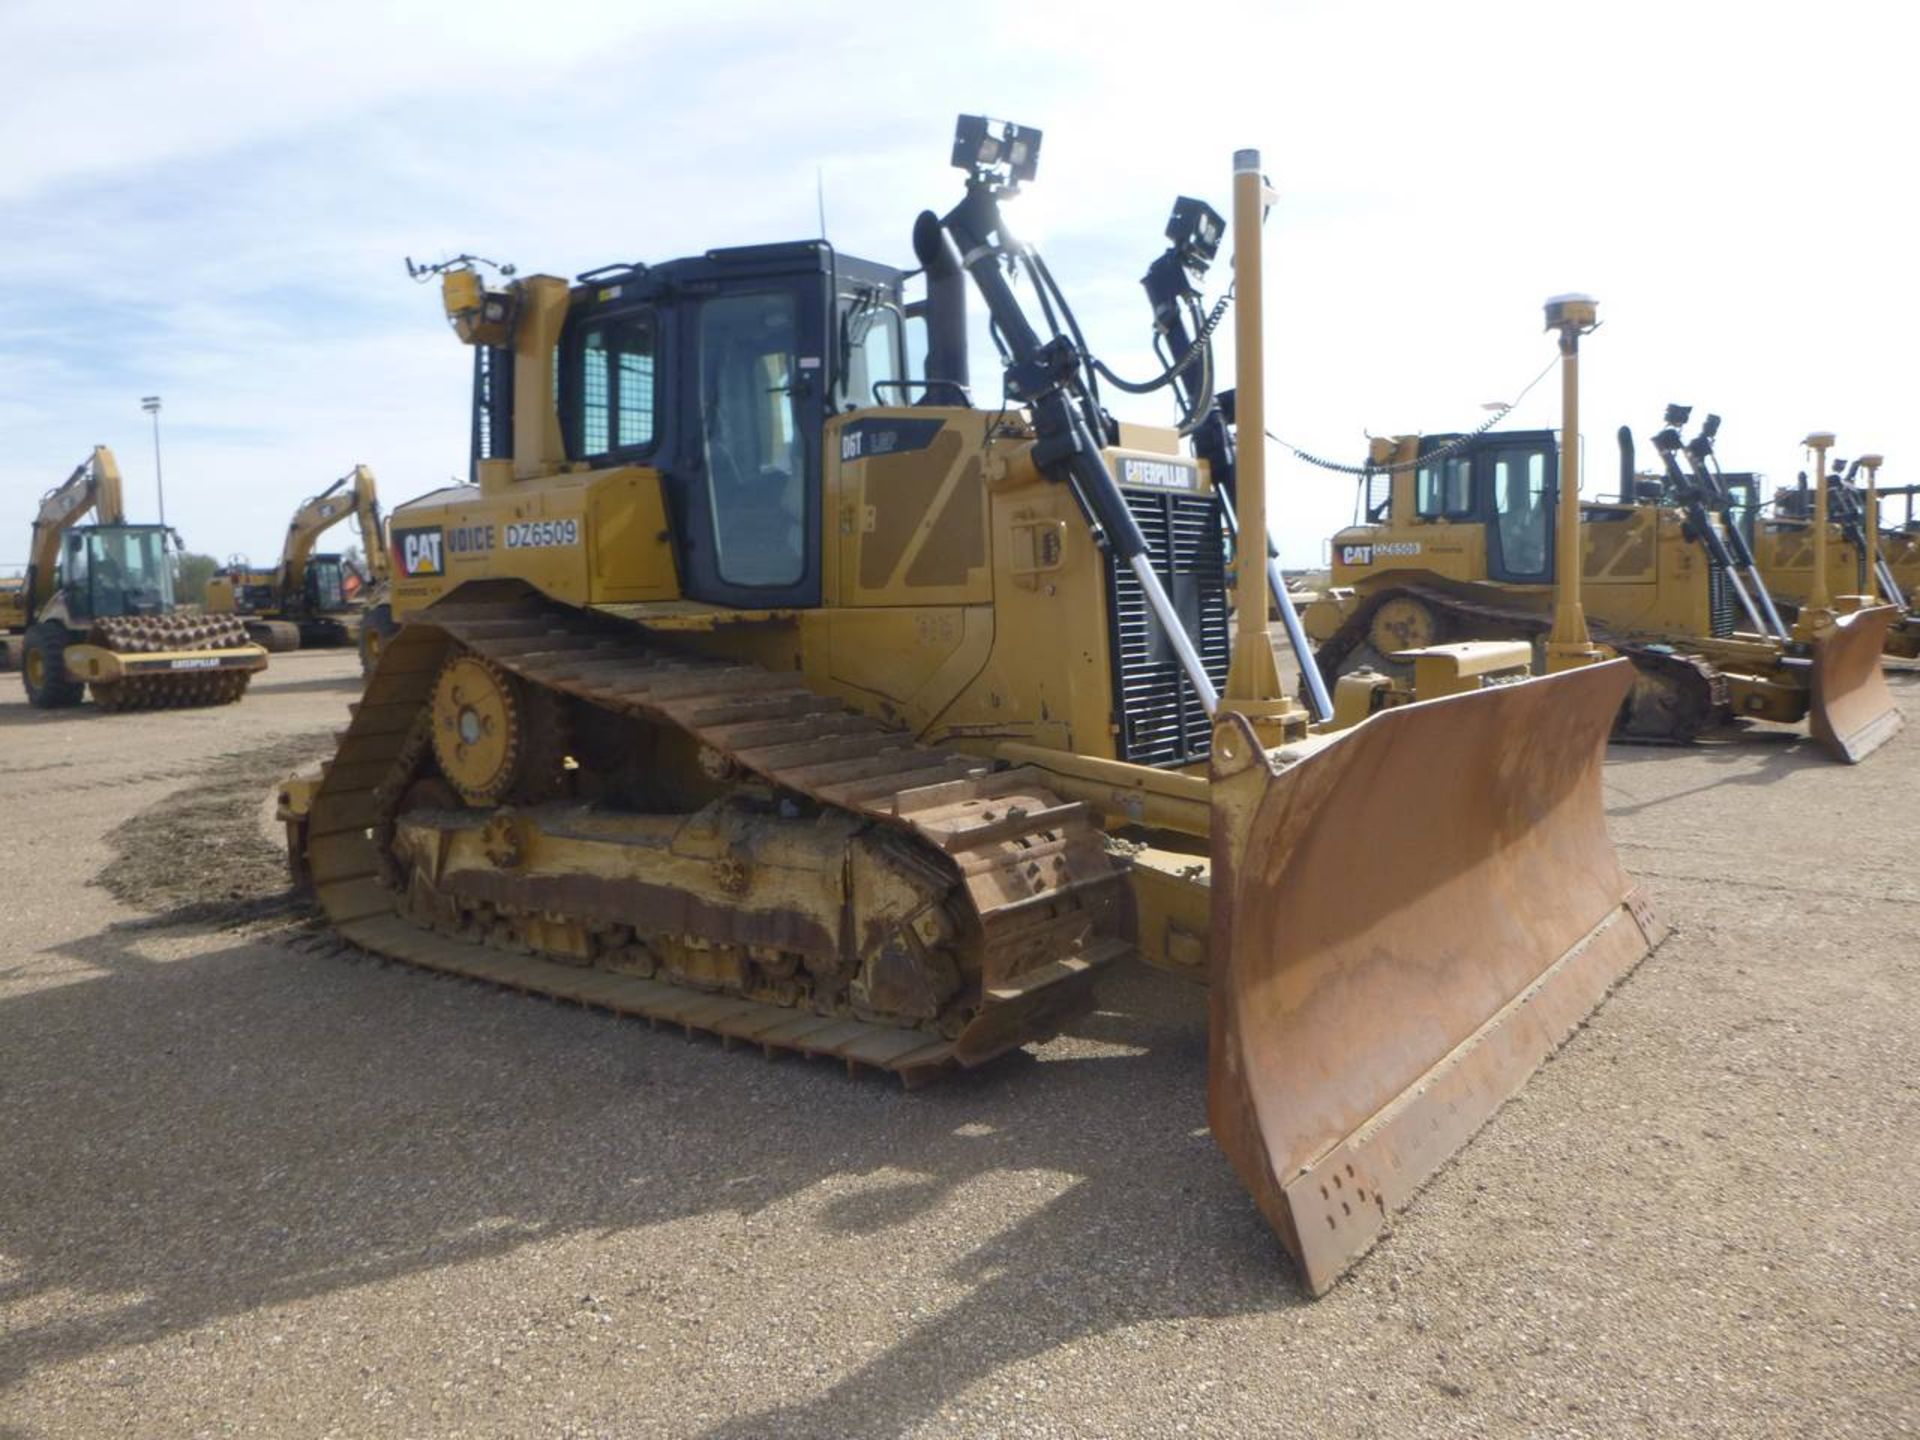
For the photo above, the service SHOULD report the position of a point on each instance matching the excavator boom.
(320, 514)
(94, 486)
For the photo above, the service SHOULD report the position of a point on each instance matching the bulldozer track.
(1029, 870)
(1700, 685)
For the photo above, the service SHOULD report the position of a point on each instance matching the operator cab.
(719, 371)
(326, 584)
(1506, 481)
(110, 570)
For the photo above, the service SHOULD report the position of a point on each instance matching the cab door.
(748, 464)
(1520, 473)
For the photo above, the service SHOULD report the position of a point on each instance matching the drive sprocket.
(494, 736)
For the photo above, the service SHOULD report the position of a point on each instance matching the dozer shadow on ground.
(1747, 754)
(268, 1128)
(280, 1116)
(231, 1165)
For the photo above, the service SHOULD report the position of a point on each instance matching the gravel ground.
(251, 1184)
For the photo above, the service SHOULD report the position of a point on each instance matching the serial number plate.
(540, 534)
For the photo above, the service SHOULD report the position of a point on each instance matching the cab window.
(872, 362)
(610, 393)
(75, 577)
(130, 572)
(1524, 511)
(755, 463)
(1445, 487)
(326, 585)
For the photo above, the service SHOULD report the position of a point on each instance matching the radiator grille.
(1160, 719)
(1719, 599)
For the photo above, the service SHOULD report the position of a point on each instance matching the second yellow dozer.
(1900, 541)
(1462, 539)
(759, 689)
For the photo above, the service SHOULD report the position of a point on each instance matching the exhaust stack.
(946, 367)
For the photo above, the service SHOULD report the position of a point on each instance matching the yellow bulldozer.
(1900, 540)
(1881, 563)
(97, 610)
(1458, 541)
(309, 601)
(762, 688)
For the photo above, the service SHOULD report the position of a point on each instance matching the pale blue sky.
(213, 203)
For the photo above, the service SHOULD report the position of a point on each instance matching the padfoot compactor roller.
(761, 688)
(100, 615)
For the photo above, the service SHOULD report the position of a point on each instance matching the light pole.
(151, 404)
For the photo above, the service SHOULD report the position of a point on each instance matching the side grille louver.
(1160, 718)
(1719, 599)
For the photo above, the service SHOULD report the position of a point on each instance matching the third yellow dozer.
(1882, 563)
(762, 689)
(1462, 540)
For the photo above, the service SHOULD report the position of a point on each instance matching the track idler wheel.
(496, 737)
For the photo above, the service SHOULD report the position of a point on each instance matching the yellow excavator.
(1458, 541)
(306, 601)
(13, 619)
(98, 612)
(762, 688)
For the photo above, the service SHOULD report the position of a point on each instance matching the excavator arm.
(319, 515)
(373, 526)
(94, 486)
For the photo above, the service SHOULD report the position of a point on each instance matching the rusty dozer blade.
(1851, 710)
(1408, 916)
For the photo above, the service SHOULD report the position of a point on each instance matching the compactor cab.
(114, 570)
(762, 685)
